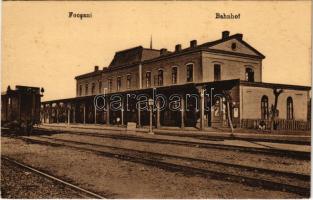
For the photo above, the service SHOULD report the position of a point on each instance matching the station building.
(200, 75)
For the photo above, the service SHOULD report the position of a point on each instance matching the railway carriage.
(20, 108)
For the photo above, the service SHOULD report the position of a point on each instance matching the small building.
(197, 86)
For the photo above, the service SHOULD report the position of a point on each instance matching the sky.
(43, 47)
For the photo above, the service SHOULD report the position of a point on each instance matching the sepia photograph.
(156, 99)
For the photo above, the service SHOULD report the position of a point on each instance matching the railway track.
(84, 192)
(251, 176)
(300, 155)
(221, 137)
(204, 137)
(272, 152)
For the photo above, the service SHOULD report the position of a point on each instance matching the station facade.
(210, 82)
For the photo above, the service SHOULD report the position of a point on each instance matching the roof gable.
(235, 45)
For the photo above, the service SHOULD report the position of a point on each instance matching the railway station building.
(204, 85)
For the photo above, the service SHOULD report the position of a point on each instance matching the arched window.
(289, 108)
(217, 72)
(189, 72)
(249, 74)
(264, 107)
(174, 75)
(160, 77)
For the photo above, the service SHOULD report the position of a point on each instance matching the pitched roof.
(136, 55)
(207, 47)
(132, 56)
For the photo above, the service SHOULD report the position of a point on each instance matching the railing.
(279, 124)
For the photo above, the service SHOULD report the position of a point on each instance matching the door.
(219, 118)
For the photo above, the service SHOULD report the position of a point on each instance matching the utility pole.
(150, 102)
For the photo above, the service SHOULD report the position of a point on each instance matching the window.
(110, 84)
(160, 77)
(118, 83)
(86, 89)
(100, 87)
(249, 75)
(264, 107)
(93, 87)
(128, 82)
(217, 72)
(148, 79)
(80, 90)
(174, 75)
(189, 72)
(233, 46)
(289, 108)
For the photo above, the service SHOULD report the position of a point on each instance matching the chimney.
(193, 43)
(96, 68)
(225, 34)
(163, 51)
(239, 36)
(178, 47)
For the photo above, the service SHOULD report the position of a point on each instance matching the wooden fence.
(279, 124)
